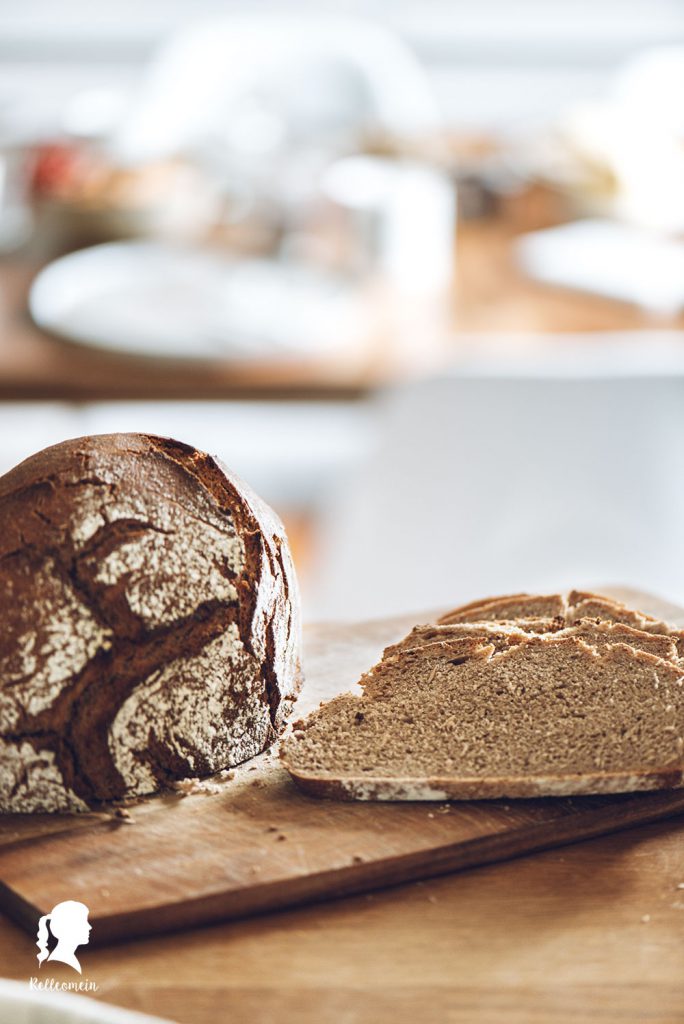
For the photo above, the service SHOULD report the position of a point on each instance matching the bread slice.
(582, 605)
(500, 634)
(572, 607)
(457, 719)
(513, 606)
(504, 634)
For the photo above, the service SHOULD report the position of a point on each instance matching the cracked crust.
(151, 622)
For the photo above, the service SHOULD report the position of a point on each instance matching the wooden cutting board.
(257, 844)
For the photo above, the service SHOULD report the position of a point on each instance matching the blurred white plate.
(157, 299)
(608, 258)
(19, 1005)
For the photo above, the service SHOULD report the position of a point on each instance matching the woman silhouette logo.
(69, 925)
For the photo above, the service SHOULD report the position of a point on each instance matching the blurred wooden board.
(257, 844)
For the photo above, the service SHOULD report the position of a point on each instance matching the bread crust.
(153, 622)
(512, 787)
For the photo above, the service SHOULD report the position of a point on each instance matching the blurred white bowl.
(19, 1005)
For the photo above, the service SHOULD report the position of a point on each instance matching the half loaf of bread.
(150, 622)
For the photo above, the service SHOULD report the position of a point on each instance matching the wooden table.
(593, 932)
(590, 932)
(490, 295)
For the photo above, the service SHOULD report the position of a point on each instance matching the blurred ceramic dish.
(167, 301)
(20, 1005)
(605, 257)
(621, 155)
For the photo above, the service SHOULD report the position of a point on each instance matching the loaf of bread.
(150, 622)
(473, 709)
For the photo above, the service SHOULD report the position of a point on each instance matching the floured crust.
(151, 622)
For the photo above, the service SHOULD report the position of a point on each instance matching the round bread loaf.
(150, 622)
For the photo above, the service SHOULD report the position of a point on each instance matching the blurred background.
(415, 270)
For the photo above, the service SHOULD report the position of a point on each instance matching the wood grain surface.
(592, 932)
(256, 844)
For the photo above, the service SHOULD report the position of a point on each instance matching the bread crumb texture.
(151, 622)
(551, 703)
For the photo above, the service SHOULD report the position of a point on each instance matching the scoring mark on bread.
(54, 639)
(187, 697)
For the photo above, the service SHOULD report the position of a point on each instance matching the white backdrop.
(559, 469)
